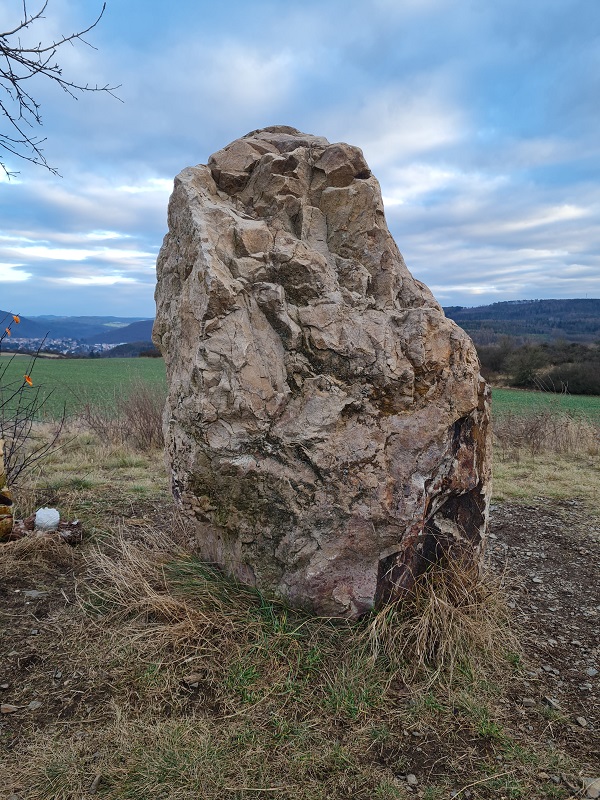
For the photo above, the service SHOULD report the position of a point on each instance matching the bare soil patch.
(551, 551)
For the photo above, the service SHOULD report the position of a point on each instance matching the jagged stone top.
(319, 201)
(231, 167)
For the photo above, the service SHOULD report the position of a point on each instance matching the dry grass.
(88, 470)
(34, 556)
(547, 455)
(195, 687)
(549, 476)
(218, 692)
(545, 431)
(455, 618)
(169, 601)
(178, 602)
(134, 420)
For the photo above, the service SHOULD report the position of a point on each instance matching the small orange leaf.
(16, 318)
(28, 380)
(7, 331)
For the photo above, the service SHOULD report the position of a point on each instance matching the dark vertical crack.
(452, 534)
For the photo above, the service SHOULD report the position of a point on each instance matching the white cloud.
(548, 216)
(46, 236)
(396, 125)
(465, 288)
(100, 235)
(94, 280)
(491, 190)
(414, 181)
(54, 253)
(10, 273)
(161, 185)
(407, 183)
(80, 254)
(248, 77)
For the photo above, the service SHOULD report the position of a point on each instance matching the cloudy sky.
(480, 120)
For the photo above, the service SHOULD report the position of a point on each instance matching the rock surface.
(326, 425)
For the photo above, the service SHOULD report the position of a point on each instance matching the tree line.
(575, 320)
(557, 366)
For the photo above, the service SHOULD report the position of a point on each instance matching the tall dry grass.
(455, 619)
(135, 418)
(547, 431)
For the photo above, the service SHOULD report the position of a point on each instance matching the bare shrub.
(545, 431)
(141, 412)
(22, 405)
(135, 419)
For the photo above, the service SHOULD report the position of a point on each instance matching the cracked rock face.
(326, 425)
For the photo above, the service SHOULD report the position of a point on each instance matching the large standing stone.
(326, 425)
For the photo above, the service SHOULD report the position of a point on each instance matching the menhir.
(326, 425)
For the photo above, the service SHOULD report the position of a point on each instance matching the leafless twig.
(20, 406)
(20, 63)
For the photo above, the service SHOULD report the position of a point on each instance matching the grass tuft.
(457, 620)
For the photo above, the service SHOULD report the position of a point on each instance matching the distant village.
(75, 348)
(78, 337)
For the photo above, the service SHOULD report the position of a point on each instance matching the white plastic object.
(46, 519)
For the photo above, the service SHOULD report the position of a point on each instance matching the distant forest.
(531, 320)
(548, 344)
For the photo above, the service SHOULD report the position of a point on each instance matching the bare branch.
(19, 64)
(26, 21)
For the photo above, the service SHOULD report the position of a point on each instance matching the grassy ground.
(522, 401)
(547, 448)
(134, 671)
(149, 676)
(552, 476)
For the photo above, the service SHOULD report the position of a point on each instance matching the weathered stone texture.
(326, 425)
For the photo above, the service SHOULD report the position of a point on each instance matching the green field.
(521, 401)
(75, 382)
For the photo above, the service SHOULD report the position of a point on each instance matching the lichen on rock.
(326, 425)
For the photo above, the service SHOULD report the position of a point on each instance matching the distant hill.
(541, 320)
(132, 350)
(529, 320)
(140, 331)
(26, 329)
(84, 327)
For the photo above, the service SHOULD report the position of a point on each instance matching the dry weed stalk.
(135, 419)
